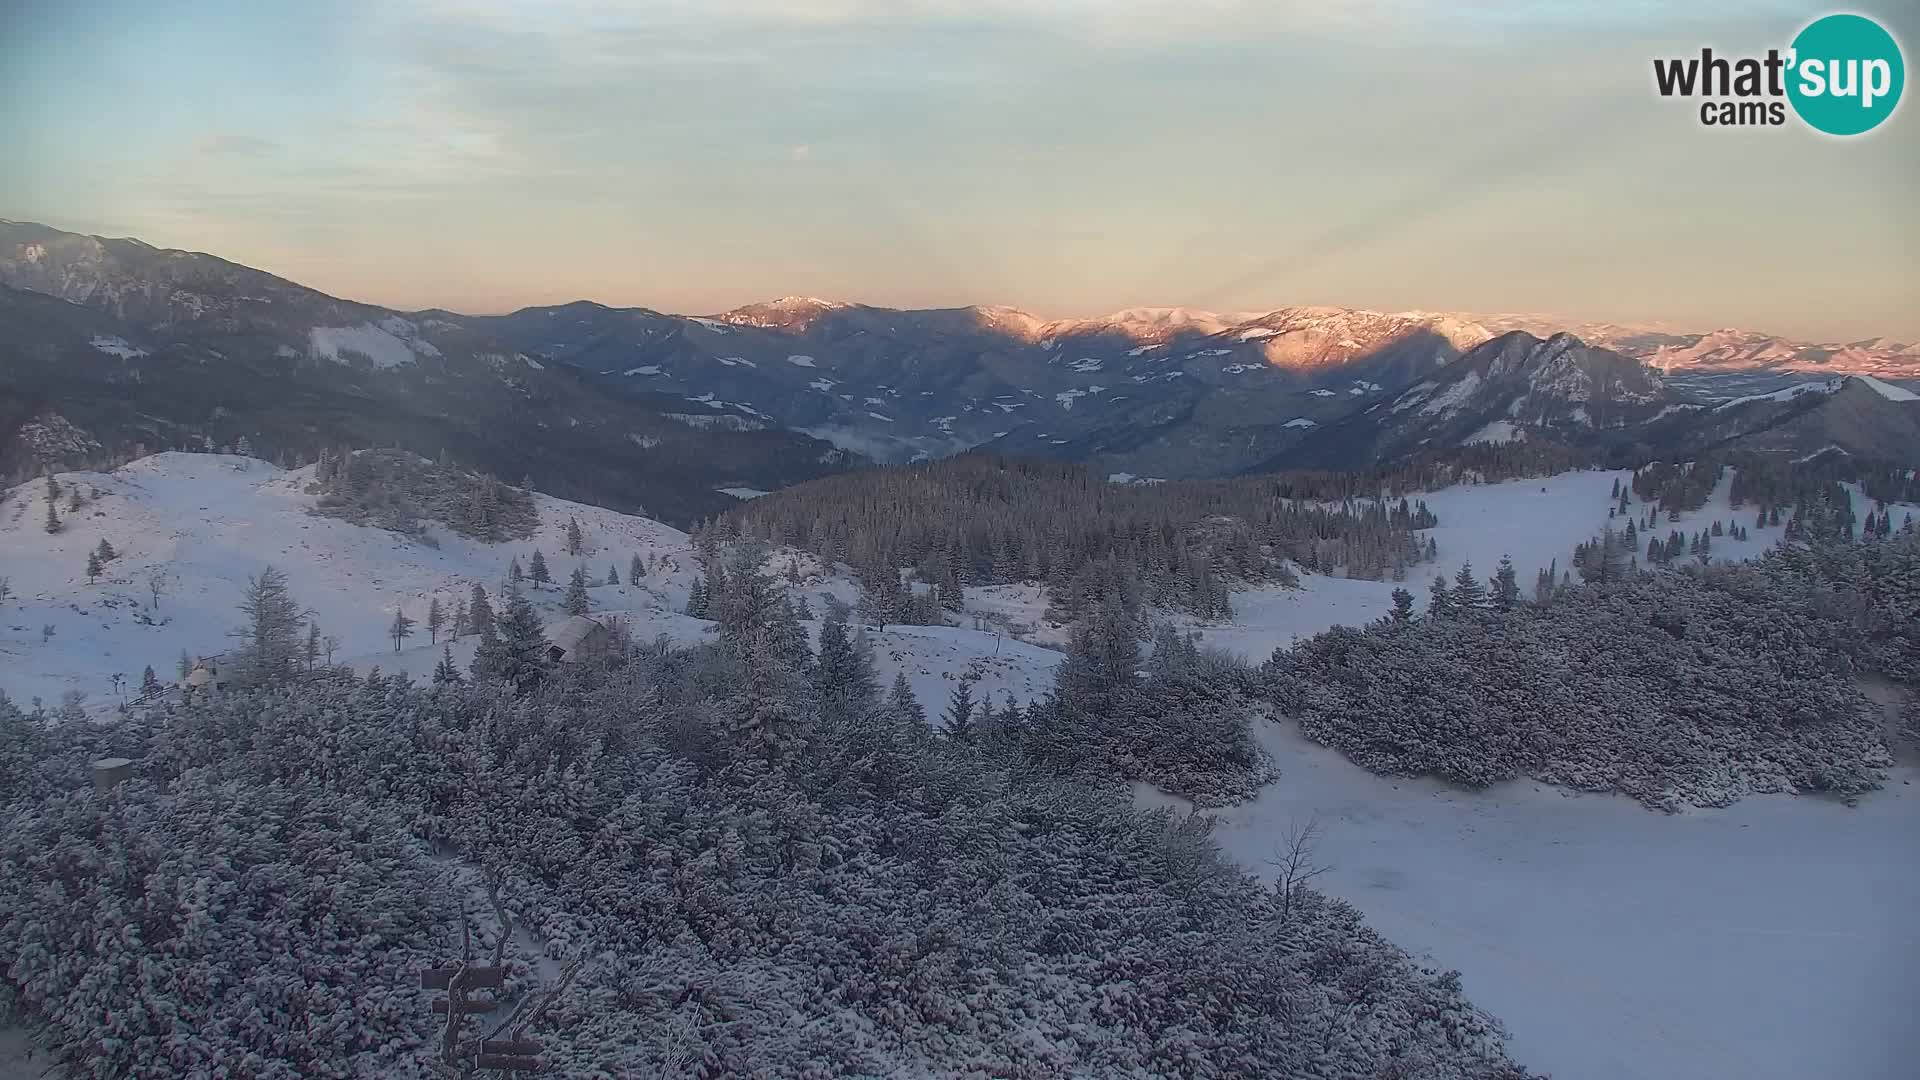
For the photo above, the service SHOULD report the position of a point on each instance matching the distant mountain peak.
(783, 313)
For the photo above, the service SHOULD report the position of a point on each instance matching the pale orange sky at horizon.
(1064, 157)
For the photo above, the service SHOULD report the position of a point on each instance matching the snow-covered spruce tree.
(1440, 599)
(577, 601)
(843, 675)
(1402, 606)
(1506, 586)
(480, 613)
(576, 541)
(537, 569)
(270, 636)
(957, 722)
(901, 702)
(400, 628)
(436, 620)
(1468, 593)
(519, 655)
(445, 671)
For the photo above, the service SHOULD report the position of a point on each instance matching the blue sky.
(1065, 156)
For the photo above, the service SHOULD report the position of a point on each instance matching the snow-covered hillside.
(204, 523)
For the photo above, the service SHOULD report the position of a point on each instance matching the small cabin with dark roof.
(578, 636)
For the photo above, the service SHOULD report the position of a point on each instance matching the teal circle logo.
(1846, 74)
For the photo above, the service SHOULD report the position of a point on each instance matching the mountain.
(109, 347)
(117, 344)
(1162, 392)
(1727, 350)
(1855, 414)
(1149, 392)
(1565, 392)
(1513, 387)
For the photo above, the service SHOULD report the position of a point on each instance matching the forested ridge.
(987, 521)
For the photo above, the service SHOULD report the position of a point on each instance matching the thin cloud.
(234, 144)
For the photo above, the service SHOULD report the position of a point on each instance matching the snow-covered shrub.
(256, 928)
(762, 890)
(1674, 687)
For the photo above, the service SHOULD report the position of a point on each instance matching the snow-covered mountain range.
(112, 344)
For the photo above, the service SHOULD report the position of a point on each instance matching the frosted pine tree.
(1506, 585)
(480, 617)
(445, 673)
(1468, 593)
(577, 601)
(957, 722)
(902, 703)
(270, 633)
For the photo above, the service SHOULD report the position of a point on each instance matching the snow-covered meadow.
(1770, 940)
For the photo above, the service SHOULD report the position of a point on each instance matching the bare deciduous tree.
(157, 584)
(1296, 862)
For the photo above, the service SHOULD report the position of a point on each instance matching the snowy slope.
(936, 658)
(210, 521)
(1771, 940)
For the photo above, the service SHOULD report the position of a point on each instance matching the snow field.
(1770, 940)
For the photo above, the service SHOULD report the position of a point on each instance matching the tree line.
(975, 520)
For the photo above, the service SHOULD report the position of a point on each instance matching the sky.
(1069, 157)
